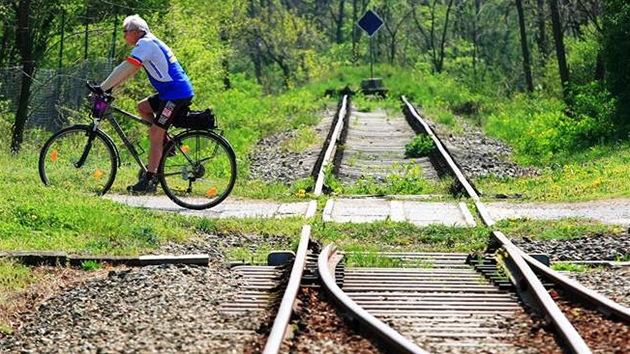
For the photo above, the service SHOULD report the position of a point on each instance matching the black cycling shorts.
(166, 111)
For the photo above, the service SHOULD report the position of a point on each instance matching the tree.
(395, 16)
(616, 53)
(527, 66)
(558, 37)
(33, 30)
(541, 35)
(435, 41)
(277, 39)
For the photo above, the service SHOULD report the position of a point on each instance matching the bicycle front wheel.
(75, 158)
(197, 169)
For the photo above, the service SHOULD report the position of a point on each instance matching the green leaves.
(422, 145)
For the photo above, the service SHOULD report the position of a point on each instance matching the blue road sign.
(370, 22)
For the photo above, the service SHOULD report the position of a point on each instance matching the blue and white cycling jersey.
(165, 72)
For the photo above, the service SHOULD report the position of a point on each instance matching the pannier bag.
(99, 106)
(195, 120)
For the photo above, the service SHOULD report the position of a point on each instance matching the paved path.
(230, 208)
(414, 210)
(611, 211)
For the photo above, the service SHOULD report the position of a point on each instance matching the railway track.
(450, 303)
(435, 303)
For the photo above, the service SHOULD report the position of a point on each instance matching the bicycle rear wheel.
(197, 169)
(72, 160)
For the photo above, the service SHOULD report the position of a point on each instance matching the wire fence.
(54, 93)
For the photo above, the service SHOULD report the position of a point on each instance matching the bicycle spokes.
(73, 160)
(202, 171)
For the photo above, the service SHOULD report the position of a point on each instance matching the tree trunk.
(440, 65)
(225, 64)
(355, 32)
(527, 67)
(4, 44)
(340, 21)
(560, 52)
(475, 36)
(600, 68)
(541, 38)
(25, 45)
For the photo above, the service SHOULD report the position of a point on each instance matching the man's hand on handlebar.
(96, 89)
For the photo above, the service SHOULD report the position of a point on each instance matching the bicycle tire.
(197, 169)
(61, 152)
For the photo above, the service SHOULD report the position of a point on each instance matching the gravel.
(271, 162)
(480, 155)
(591, 248)
(153, 309)
(171, 308)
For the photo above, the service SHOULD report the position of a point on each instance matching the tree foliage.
(617, 55)
(281, 44)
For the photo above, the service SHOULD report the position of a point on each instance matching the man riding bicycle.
(175, 91)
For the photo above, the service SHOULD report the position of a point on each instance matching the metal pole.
(112, 54)
(371, 57)
(87, 22)
(62, 35)
(60, 63)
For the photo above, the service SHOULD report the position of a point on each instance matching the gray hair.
(135, 23)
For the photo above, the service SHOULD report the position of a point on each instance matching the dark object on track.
(373, 86)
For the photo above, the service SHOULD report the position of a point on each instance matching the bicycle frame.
(109, 116)
(123, 136)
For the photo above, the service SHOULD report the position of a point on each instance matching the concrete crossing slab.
(420, 213)
(411, 209)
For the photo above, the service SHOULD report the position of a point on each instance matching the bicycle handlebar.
(107, 95)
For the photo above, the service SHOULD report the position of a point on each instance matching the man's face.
(132, 37)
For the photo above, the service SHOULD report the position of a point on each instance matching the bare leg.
(145, 110)
(156, 135)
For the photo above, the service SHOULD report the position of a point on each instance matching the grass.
(598, 173)
(564, 229)
(387, 236)
(569, 267)
(13, 276)
(374, 259)
(33, 217)
(90, 265)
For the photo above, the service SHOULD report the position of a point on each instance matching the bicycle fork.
(88, 146)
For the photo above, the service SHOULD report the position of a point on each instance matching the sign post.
(370, 22)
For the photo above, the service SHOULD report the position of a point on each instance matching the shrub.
(422, 145)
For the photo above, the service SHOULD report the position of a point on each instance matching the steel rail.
(281, 322)
(326, 264)
(570, 335)
(330, 149)
(604, 304)
(443, 153)
(564, 327)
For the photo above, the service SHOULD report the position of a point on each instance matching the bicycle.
(197, 169)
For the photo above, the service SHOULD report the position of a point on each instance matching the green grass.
(563, 229)
(13, 276)
(387, 236)
(598, 173)
(568, 267)
(33, 217)
(374, 259)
